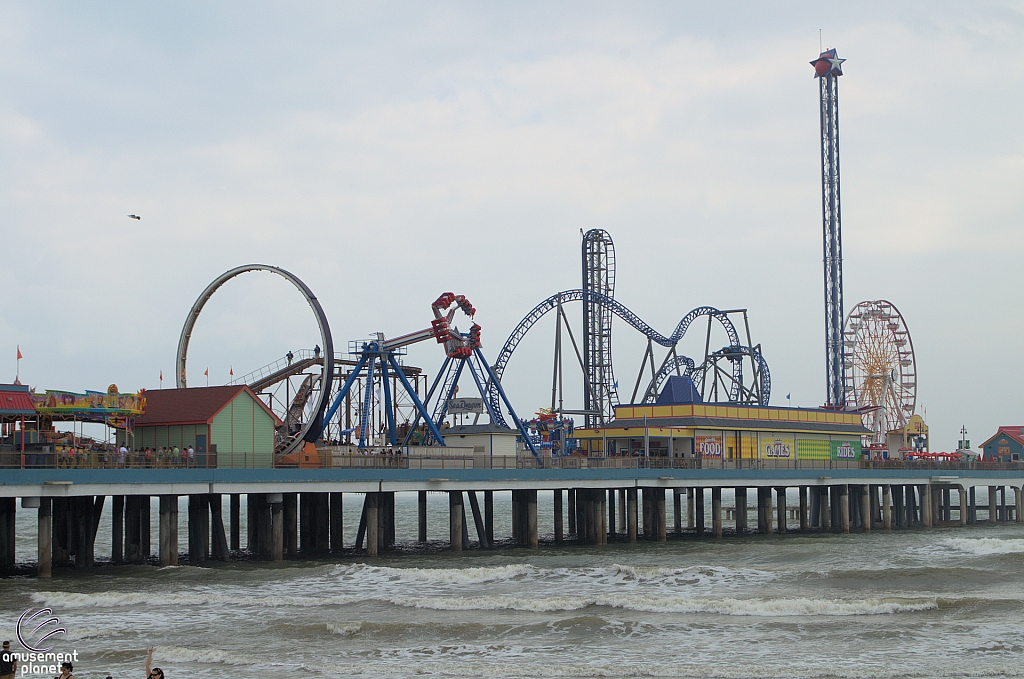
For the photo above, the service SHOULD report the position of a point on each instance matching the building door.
(201, 444)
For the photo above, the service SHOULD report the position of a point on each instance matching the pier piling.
(631, 518)
(117, 529)
(337, 509)
(824, 493)
(290, 521)
(927, 505)
(677, 510)
(455, 511)
(45, 554)
(741, 509)
(690, 512)
(559, 516)
(85, 535)
(780, 509)
(276, 528)
(802, 500)
(373, 527)
(421, 504)
(698, 510)
(8, 517)
(489, 515)
(168, 530)
(886, 507)
(716, 511)
(197, 541)
(611, 514)
(571, 502)
(844, 506)
(235, 519)
(866, 512)
(662, 518)
(220, 548)
(478, 520)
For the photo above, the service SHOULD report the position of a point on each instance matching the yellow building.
(725, 431)
(913, 435)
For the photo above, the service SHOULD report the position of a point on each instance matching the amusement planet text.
(30, 662)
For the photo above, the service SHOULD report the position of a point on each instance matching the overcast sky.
(387, 153)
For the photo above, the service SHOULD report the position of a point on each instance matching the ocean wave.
(691, 574)
(457, 576)
(644, 575)
(427, 664)
(345, 629)
(117, 599)
(759, 607)
(985, 546)
(210, 656)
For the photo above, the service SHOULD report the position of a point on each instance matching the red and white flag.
(161, 375)
(19, 353)
(207, 373)
(232, 371)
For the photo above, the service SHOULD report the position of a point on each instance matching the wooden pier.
(298, 512)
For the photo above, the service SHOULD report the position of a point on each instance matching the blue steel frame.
(832, 231)
(371, 354)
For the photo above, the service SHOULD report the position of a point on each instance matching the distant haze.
(387, 153)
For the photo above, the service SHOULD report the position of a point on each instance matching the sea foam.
(985, 546)
(761, 607)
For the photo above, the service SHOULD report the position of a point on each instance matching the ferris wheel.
(881, 371)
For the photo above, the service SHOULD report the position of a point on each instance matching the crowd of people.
(123, 457)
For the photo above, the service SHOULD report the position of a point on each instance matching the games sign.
(774, 446)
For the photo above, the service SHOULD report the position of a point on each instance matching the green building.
(227, 426)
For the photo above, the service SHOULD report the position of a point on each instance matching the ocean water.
(938, 603)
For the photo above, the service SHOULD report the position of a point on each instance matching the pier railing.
(344, 457)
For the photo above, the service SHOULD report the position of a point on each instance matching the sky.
(387, 152)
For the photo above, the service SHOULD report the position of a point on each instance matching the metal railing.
(114, 460)
(452, 457)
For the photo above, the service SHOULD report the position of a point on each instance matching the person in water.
(153, 672)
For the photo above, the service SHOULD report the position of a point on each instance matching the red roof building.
(227, 426)
(1006, 445)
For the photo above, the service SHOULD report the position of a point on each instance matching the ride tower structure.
(380, 356)
(599, 388)
(827, 69)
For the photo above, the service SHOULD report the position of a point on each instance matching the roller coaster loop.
(312, 428)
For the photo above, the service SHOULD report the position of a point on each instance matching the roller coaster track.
(311, 429)
(685, 366)
(623, 313)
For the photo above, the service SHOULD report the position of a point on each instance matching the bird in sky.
(135, 216)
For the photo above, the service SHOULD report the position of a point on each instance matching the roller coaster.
(370, 393)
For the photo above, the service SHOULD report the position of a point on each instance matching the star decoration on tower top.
(828, 63)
